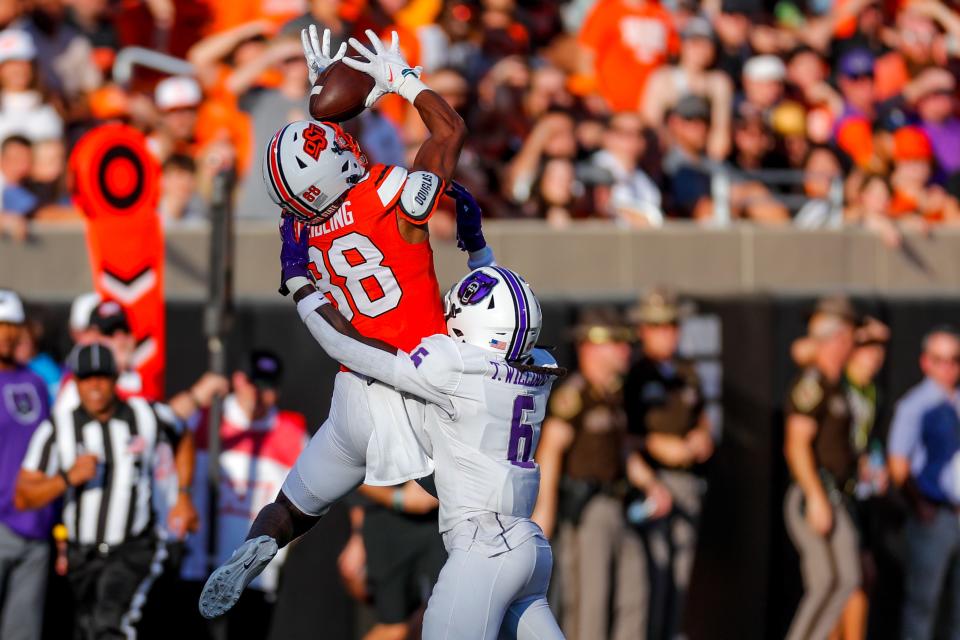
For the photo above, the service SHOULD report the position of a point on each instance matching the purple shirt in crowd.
(23, 406)
(945, 139)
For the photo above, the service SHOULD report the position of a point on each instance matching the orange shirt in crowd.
(890, 75)
(630, 39)
(231, 13)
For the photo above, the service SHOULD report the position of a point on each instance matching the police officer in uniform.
(586, 468)
(823, 467)
(665, 408)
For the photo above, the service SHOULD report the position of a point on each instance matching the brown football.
(342, 93)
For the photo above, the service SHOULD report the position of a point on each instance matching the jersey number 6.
(521, 432)
(358, 263)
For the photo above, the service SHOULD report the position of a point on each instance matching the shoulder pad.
(420, 196)
(389, 183)
(439, 361)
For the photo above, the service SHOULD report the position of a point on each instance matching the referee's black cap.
(264, 368)
(93, 360)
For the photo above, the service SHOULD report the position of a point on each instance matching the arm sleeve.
(42, 451)
(904, 429)
(168, 424)
(397, 370)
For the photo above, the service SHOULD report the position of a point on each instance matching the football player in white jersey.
(487, 388)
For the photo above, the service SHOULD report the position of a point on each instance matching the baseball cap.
(697, 27)
(93, 360)
(177, 92)
(108, 102)
(601, 325)
(856, 62)
(81, 309)
(765, 68)
(16, 45)
(838, 306)
(692, 107)
(911, 143)
(108, 317)
(264, 368)
(11, 308)
(659, 306)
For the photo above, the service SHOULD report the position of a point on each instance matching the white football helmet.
(495, 309)
(308, 165)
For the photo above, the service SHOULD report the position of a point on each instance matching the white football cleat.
(227, 582)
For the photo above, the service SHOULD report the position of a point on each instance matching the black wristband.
(66, 478)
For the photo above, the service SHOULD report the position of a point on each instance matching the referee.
(101, 457)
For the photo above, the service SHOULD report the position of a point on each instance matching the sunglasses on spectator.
(860, 76)
(939, 360)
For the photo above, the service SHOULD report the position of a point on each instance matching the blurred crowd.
(817, 112)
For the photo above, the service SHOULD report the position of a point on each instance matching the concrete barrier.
(586, 261)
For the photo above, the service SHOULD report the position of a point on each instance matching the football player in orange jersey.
(370, 255)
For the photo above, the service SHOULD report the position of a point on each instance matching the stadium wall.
(587, 260)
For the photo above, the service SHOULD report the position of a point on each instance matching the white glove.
(390, 72)
(318, 57)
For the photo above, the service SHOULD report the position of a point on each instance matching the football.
(343, 91)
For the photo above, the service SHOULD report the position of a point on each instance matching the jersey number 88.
(358, 262)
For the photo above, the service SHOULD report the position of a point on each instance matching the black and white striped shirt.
(117, 503)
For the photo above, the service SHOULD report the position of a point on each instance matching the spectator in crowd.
(48, 181)
(586, 465)
(665, 410)
(105, 475)
(936, 109)
(693, 75)
(552, 137)
(178, 99)
(269, 110)
(24, 107)
(259, 443)
(856, 83)
(914, 195)
(685, 164)
(16, 164)
(872, 210)
(822, 186)
(64, 56)
(29, 353)
(404, 554)
(822, 462)
(107, 324)
(93, 20)
(863, 396)
(923, 438)
(916, 44)
(78, 324)
(24, 536)
(763, 83)
(325, 14)
(634, 198)
(621, 40)
(17, 203)
(179, 200)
